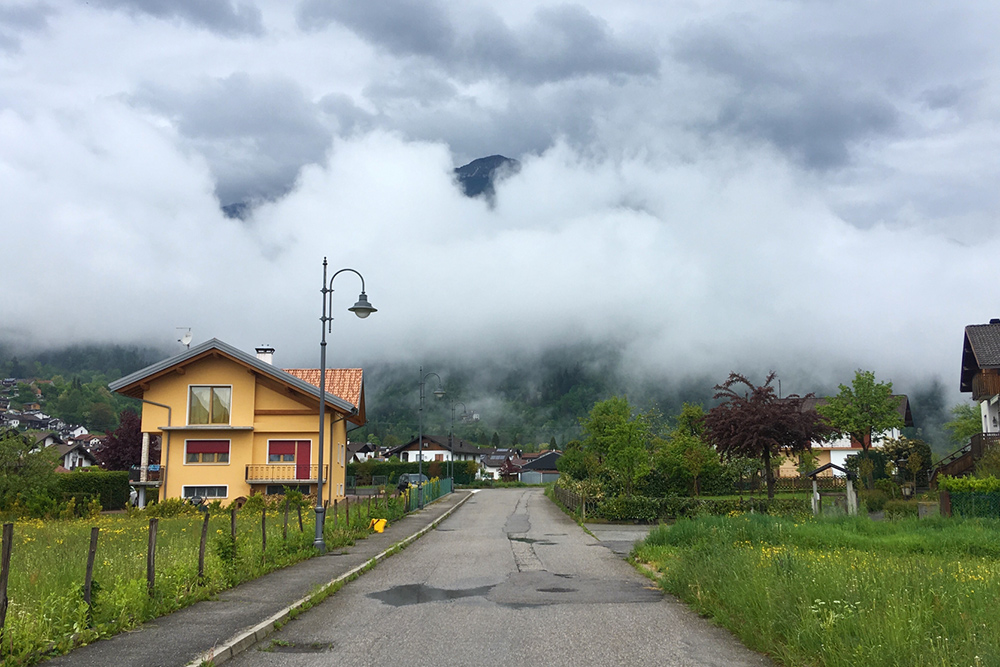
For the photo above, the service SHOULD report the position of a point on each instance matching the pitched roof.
(546, 461)
(130, 385)
(903, 407)
(459, 446)
(980, 350)
(343, 382)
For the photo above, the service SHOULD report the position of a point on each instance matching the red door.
(302, 459)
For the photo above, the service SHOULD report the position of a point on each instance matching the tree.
(967, 421)
(760, 425)
(865, 411)
(123, 448)
(619, 441)
(24, 470)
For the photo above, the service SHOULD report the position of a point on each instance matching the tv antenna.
(185, 340)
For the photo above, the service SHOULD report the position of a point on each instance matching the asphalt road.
(507, 580)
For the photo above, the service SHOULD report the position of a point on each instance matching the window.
(281, 452)
(340, 454)
(210, 405)
(206, 451)
(206, 491)
(439, 457)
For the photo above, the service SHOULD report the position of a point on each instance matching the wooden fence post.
(8, 539)
(284, 528)
(347, 512)
(89, 576)
(335, 514)
(154, 525)
(201, 548)
(232, 529)
(299, 510)
(263, 534)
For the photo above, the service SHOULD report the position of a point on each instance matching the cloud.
(702, 189)
(558, 43)
(255, 133)
(221, 16)
(17, 19)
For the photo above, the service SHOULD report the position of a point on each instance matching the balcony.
(283, 473)
(153, 473)
(985, 383)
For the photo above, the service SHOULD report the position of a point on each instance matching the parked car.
(410, 479)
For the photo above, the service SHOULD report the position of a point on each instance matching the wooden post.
(583, 507)
(201, 548)
(154, 525)
(89, 577)
(347, 512)
(369, 507)
(299, 510)
(335, 514)
(284, 529)
(263, 534)
(8, 539)
(232, 530)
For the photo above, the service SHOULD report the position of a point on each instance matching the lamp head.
(439, 392)
(362, 308)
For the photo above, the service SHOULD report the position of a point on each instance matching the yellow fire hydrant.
(378, 525)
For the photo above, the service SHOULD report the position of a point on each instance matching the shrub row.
(110, 487)
(641, 508)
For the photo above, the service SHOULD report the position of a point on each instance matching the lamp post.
(439, 392)
(362, 309)
(451, 444)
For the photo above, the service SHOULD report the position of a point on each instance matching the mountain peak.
(478, 176)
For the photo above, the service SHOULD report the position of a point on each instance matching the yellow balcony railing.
(260, 473)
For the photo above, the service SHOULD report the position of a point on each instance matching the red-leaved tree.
(123, 448)
(758, 424)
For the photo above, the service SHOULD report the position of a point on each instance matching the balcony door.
(295, 452)
(302, 454)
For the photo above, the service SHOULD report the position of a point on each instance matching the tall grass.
(841, 592)
(48, 564)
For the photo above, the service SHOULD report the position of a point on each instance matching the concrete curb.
(244, 640)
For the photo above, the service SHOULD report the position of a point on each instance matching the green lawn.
(840, 591)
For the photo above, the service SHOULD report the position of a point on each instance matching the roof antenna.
(185, 340)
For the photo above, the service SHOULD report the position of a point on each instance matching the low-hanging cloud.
(695, 212)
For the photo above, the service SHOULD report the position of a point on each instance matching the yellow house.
(231, 424)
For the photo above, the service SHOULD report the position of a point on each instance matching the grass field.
(840, 592)
(48, 564)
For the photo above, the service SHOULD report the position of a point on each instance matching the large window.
(210, 405)
(206, 451)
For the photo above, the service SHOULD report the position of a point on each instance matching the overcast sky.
(805, 186)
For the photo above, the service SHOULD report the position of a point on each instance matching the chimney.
(266, 354)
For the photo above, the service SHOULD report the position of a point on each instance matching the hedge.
(641, 508)
(364, 471)
(111, 486)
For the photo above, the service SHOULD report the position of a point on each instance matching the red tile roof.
(343, 382)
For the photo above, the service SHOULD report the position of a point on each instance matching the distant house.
(438, 448)
(75, 455)
(238, 425)
(837, 451)
(497, 461)
(540, 469)
(361, 451)
(47, 440)
(75, 431)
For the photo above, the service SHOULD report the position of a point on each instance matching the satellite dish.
(185, 340)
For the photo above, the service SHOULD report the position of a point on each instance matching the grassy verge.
(840, 592)
(47, 612)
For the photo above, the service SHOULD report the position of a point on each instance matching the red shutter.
(281, 447)
(208, 446)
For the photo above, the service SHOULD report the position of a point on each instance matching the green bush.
(634, 508)
(969, 484)
(874, 500)
(889, 488)
(110, 486)
(900, 509)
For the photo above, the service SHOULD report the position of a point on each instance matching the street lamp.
(362, 309)
(439, 392)
(451, 444)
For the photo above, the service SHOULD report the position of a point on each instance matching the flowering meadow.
(47, 612)
(842, 591)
